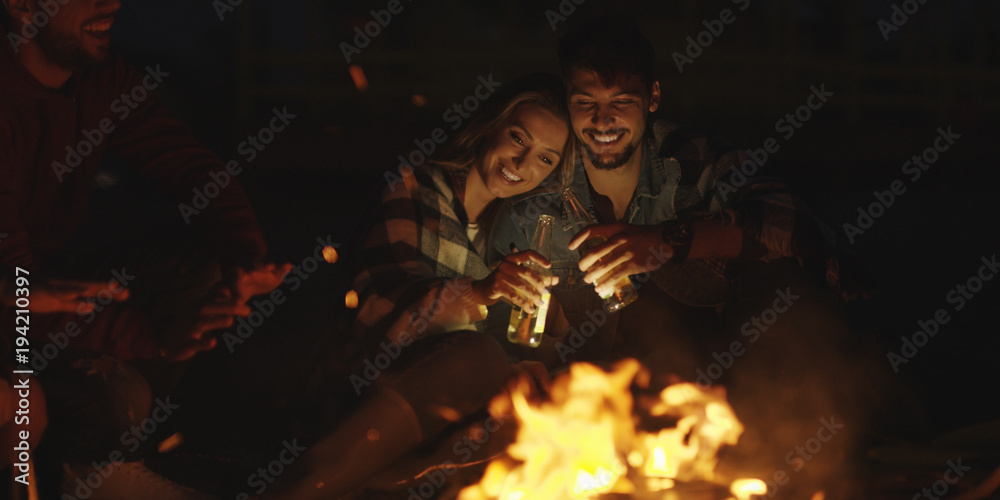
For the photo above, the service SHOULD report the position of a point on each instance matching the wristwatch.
(677, 234)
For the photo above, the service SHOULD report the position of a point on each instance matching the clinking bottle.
(624, 292)
(524, 327)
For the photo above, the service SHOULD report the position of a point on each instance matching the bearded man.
(99, 329)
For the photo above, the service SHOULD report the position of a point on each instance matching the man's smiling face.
(77, 35)
(610, 118)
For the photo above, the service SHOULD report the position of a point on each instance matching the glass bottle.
(624, 292)
(524, 327)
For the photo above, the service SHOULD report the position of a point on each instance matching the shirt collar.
(652, 177)
(653, 174)
(650, 183)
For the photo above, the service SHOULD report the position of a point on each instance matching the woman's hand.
(515, 283)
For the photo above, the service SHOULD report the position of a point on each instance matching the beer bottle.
(624, 292)
(524, 327)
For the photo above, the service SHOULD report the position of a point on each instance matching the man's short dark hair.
(611, 47)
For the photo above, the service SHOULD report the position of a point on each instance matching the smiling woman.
(424, 289)
(521, 153)
(512, 145)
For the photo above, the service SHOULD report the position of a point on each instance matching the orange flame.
(745, 489)
(583, 442)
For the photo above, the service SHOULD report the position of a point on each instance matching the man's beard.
(616, 161)
(66, 51)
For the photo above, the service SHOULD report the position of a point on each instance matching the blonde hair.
(544, 90)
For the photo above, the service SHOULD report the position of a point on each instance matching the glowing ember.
(351, 299)
(172, 442)
(330, 254)
(584, 442)
(358, 75)
(419, 100)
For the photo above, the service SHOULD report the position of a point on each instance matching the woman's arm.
(402, 297)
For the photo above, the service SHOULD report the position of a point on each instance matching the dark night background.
(939, 69)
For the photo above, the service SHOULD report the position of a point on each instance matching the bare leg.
(443, 379)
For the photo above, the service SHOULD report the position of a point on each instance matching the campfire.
(592, 439)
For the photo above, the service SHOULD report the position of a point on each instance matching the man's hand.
(220, 308)
(57, 296)
(217, 312)
(514, 283)
(246, 283)
(629, 249)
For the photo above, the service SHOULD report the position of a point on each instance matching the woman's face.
(523, 151)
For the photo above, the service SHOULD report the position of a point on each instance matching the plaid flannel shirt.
(417, 264)
(707, 177)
